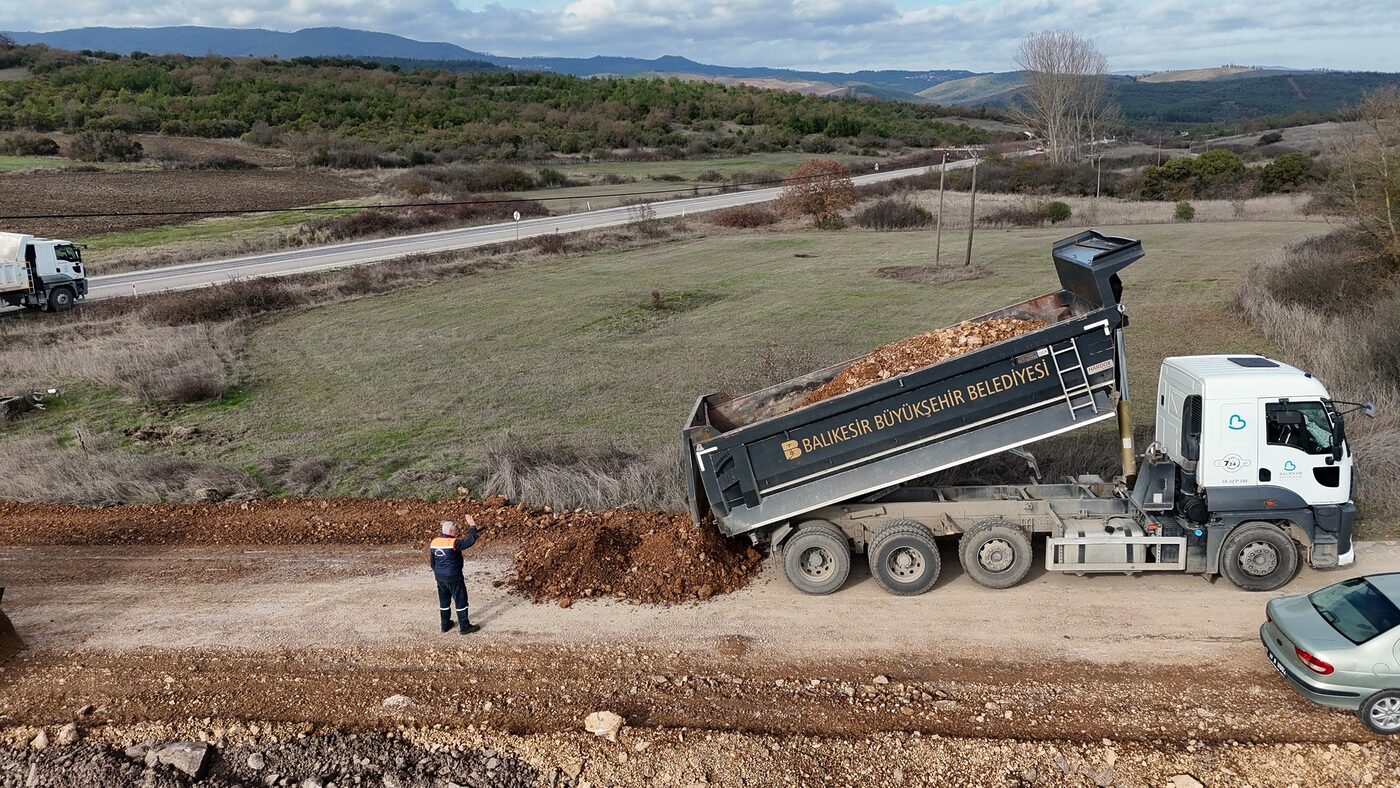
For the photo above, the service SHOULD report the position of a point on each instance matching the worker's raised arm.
(470, 539)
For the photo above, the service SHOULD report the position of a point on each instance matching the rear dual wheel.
(904, 558)
(995, 553)
(816, 559)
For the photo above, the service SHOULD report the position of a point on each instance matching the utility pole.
(1098, 177)
(972, 211)
(938, 245)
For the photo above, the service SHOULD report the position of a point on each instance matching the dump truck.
(40, 273)
(1249, 472)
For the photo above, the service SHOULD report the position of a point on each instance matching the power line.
(316, 208)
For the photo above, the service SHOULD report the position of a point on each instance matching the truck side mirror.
(1339, 435)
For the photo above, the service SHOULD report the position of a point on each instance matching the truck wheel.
(1381, 712)
(904, 558)
(1258, 557)
(61, 299)
(995, 553)
(817, 559)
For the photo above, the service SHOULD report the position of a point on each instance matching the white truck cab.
(40, 272)
(1257, 439)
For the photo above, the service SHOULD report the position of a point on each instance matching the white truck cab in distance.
(40, 273)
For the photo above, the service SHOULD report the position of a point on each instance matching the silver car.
(1340, 646)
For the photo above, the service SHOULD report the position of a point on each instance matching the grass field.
(220, 228)
(414, 384)
(14, 163)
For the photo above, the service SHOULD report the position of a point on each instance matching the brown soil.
(639, 556)
(196, 149)
(635, 556)
(920, 351)
(156, 190)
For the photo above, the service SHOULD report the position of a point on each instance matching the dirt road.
(289, 651)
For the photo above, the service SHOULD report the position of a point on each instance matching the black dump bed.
(765, 458)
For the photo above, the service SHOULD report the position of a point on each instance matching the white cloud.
(818, 34)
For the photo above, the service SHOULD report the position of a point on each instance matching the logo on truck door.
(1237, 422)
(792, 449)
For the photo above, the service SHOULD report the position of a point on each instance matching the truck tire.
(904, 558)
(995, 553)
(1381, 712)
(817, 559)
(61, 299)
(1258, 557)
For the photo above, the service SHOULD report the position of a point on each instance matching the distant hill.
(977, 90)
(190, 40)
(327, 41)
(1193, 96)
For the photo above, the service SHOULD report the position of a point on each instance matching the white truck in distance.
(40, 273)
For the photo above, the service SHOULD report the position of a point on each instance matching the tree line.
(482, 115)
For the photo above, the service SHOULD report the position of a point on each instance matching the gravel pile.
(917, 352)
(633, 556)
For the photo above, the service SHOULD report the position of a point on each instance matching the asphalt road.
(296, 261)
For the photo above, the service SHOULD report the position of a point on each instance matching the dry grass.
(1087, 212)
(1354, 351)
(87, 469)
(151, 363)
(564, 477)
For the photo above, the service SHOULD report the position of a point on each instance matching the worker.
(445, 557)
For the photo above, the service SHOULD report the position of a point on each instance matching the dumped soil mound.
(907, 355)
(634, 556)
(641, 556)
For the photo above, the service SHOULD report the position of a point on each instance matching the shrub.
(1057, 212)
(553, 243)
(1268, 138)
(1185, 211)
(104, 146)
(1015, 216)
(894, 215)
(23, 144)
(743, 216)
(240, 298)
(1286, 173)
(548, 178)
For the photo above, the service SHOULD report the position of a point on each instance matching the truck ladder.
(1071, 389)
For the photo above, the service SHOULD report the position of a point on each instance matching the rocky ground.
(176, 646)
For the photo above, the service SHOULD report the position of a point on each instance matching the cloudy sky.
(818, 34)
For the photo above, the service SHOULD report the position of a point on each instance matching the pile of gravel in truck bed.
(916, 352)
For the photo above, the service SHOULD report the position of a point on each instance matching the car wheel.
(61, 299)
(817, 559)
(1258, 557)
(1381, 712)
(904, 558)
(995, 553)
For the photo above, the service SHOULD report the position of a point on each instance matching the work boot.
(470, 628)
(447, 627)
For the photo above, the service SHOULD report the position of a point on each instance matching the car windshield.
(1356, 609)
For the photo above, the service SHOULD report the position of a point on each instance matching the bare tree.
(6, 41)
(819, 188)
(1369, 172)
(1066, 101)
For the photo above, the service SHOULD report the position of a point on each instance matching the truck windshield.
(1356, 609)
(1302, 425)
(68, 253)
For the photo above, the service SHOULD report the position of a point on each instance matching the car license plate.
(1282, 671)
